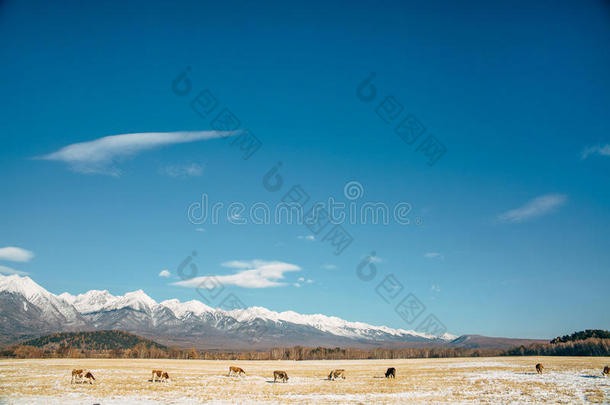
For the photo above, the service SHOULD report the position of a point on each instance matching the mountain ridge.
(191, 323)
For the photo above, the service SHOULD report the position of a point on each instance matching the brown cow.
(280, 375)
(76, 375)
(390, 373)
(539, 368)
(159, 375)
(606, 371)
(338, 373)
(236, 370)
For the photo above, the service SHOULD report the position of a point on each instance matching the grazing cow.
(280, 375)
(76, 375)
(89, 377)
(159, 375)
(539, 368)
(338, 373)
(79, 374)
(391, 372)
(236, 370)
(606, 371)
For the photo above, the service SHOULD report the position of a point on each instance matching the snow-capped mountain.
(91, 301)
(330, 324)
(186, 309)
(27, 308)
(183, 323)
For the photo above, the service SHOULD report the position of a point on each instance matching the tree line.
(124, 345)
(144, 351)
(587, 347)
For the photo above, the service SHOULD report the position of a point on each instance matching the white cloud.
(15, 254)
(200, 229)
(165, 273)
(100, 155)
(8, 270)
(297, 285)
(433, 255)
(301, 279)
(602, 150)
(329, 267)
(537, 207)
(237, 264)
(181, 171)
(309, 281)
(435, 288)
(306, 237)
(375, 259)
(254, 274)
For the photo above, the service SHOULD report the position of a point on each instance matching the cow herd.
(84, 376)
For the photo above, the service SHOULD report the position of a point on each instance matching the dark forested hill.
(96, 340)
(583, 335)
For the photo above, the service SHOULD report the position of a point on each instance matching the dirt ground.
(466, 380)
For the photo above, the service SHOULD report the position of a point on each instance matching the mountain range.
(28, 310)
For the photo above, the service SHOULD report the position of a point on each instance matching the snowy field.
(463, 381)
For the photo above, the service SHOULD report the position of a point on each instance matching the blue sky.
(509, 228)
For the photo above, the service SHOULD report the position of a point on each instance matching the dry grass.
(467, 380)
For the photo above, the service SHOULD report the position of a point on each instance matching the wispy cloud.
(15, 254)
(602, 150)
(182, 171)
(433, 255)
(306, 237)
(199, 229)
(301, 281)
(435, 288)
(329, 267)
(375, 259)
(253, 274)
(237, 264)
(165, 273)
(100, 155)
(8, 270)
(537, 207)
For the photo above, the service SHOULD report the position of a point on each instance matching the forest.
(120, 344)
